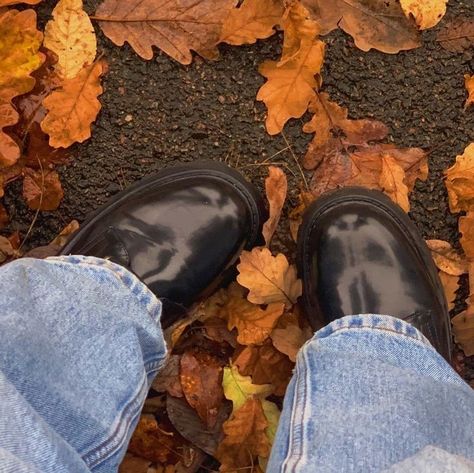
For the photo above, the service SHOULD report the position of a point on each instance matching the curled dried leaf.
(276, 187)
(446, 258)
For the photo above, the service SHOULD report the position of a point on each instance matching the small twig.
(296, 160)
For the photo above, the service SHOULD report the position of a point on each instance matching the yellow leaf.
(71, 37)
(272, 414)
(469, 83)
(254, 19)
(73, 107)
(238, 388)
(460, 182)
(427, 13)
(269, 278)
(446, 258)
(291, 81)
(19, 57)
(392, 182)
(463, 330)
(276, 187)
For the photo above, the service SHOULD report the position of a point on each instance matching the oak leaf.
(73, 107)
(254, 19)
(20, 42)
(201, 381)
(42, 190)
(291, 81)
(245, 438)
(463, 330)
(446, 258)
(71, 37)
(289, 340)
(450, 286)
(392, 182)
(460, 182)
(7, 3)
(276, 187)
(270, 279)
(458, 35)
(469, 83)
(378, 24)
(174, 26)
(168, 377)
(466, 227)
(427, 13)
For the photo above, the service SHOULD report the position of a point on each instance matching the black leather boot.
(359, 253)
(180, 231)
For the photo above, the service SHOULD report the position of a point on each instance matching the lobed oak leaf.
(391, 182)
(276, 187)
(42, 190)
(469, 83)
(427, 13)
(70, 35)
(174, 26)
(270, 279)
(463, 331)
(460, 182)
(201, 381)
(254, 19)
(20, 42)
(379, 24)
(168, 377)
(291, 81)
(245, 438)
(450, 285)
(239, 389)
(73, 107)
(458, 35)
(446, 258)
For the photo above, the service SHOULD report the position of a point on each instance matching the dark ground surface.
(159, 113)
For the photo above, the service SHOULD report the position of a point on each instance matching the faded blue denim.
(80, 343)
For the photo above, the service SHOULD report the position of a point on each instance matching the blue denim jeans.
(80, 342)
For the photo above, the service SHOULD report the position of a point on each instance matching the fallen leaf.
(289, 340)
(466, 227)
(276, 187)
(265, 365)
(245, 438)
(379, 24)
(73, 107)
(291, 81)
(272, 414)
(61, 239)
(460, 182)
(133, 464)
(270, 279)
(201, 381)
(70, 35)
(296, 214)
(392, 182)
(6, 3)
(168, 377)
(20, 42)
(463, 330)
(458, 35)
(469, 83)
(174, 26)
(239, 389)
(6, 249)
(4, 218)
(446, 258)
(216, 329)
(450, 285)
(427, 13)
(254, 19)
(42, 191)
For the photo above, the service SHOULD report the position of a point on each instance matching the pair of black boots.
(181, 232)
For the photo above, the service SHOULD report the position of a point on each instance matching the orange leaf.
(450, 285)
(392, 182)
(174, 26)
(446, 258)
(463, 330)
(254, 19)
(460, 182)
(469, 83)
(466, 227)
(245, 438)
(296, 215)
(276, 187)
(6, 3)
(42, 191)
(73, 107)
(289, 340)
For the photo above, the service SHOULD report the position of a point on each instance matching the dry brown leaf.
(70, 35)
(174, 26)
(392, 182)
(289, 340)
(296, 214)
(6, 249)
(133, 464)
(253, 323)
(270, 279)
(42, 191)
(276, 187)
(469, 83)
(460, 182)
(254, 19)
(378, 24)
(463, 330)
(61, 239)
(427, 13)
(4, 218)
(291, 81)
(216, 329)
(168, 378)
(450, 285)
(73, 107)
(6, 3)
(245, 438)
(19, 57)
(458, 35)
(446, 258)
(466, 227)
